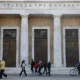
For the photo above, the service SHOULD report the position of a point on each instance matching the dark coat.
(32, 64)
(48, 65)
(45, 64)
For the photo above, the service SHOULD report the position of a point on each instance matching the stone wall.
(69, 21)
(41, 22)
(10, 21)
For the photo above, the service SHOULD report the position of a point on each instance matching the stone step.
(53, 70)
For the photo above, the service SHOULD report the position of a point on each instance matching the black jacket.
(48, 65)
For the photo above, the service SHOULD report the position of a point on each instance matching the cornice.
(40, 0)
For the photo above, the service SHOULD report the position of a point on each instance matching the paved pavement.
(43, 77)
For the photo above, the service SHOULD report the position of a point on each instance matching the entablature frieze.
(39, 5)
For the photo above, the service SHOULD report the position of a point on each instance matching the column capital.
(24, 15)
(57, 15)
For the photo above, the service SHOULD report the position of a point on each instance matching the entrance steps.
(62, 70)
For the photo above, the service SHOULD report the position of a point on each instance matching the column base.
(57, 66)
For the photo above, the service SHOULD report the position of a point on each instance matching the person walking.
(0, 71)
(32, 65)
(23, 68)
(36, 67)
(3, 63)
(49, 68)
(40, 67)
(45, 67)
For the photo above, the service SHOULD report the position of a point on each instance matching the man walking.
(45, 67)
(32, 65)
(49, 68)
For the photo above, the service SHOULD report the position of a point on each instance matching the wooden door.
(72, 49)
(9, 47)
(40, 45)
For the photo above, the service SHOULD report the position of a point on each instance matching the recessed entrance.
(9, 47)
(40, 45)
(72, 49)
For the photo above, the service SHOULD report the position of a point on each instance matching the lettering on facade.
(40, 5)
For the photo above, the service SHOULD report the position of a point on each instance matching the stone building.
(40, 30)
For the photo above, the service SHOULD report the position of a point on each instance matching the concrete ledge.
(53, 70)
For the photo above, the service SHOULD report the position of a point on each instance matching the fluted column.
(57, 41)
(24, 38)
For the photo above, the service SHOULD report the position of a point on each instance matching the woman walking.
(23, 68)
(36, 67)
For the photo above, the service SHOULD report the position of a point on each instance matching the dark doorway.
(40, 45)
(9, 47)
(72, 49)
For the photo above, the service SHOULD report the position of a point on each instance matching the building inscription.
(39, 5)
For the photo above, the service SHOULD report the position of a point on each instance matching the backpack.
(21, 65)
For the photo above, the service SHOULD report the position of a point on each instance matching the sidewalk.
(43, 77)
(13, 74)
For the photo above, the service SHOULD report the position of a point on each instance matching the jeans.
(23, 70)
(2, 71)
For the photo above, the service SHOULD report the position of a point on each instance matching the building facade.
(40, 30)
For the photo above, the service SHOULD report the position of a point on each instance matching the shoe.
(0, 78)
(19, 75)
(26, 74)
(6, 76)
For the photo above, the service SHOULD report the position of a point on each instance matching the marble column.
(57, 41)
(24, 38)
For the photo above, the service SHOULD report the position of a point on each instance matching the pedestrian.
(0, 71)
(32, 65)
(40, 67)
(3, 63)
(49, 68)
(23, 68)
(36, 67)
(45, 67)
